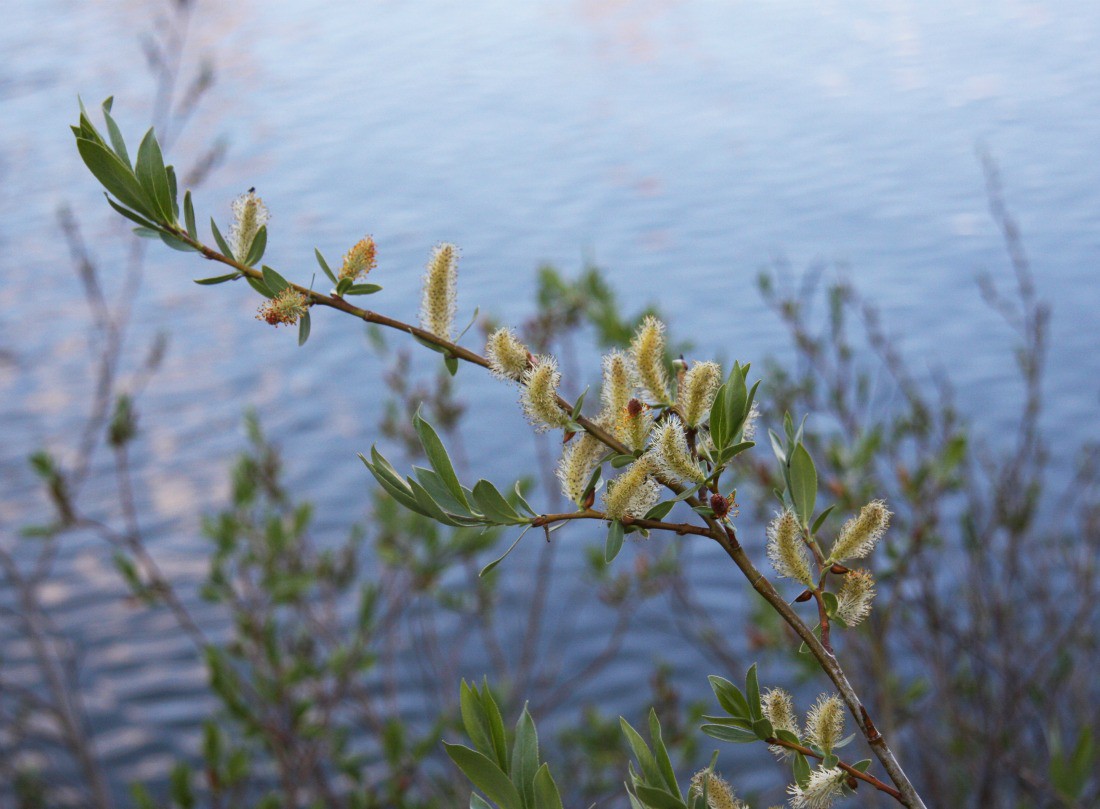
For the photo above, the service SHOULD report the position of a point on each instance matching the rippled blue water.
(682, 145)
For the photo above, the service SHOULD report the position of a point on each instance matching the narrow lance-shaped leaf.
(438, 457)
(152, 176)
(803, 484)
(614, 543)
(485, 775)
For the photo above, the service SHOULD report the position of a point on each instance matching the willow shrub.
(667, 438)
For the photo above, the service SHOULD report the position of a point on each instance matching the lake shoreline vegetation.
(984, 695)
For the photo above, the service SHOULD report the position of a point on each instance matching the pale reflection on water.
(682, 145)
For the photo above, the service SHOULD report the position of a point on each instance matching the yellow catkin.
(540, 392)
(359, 260)
(437, 305)
(578, 462)
(618, 382)
(823, 788)
(719, 793)
(633, 493)
(786, 550)
(647, 349)
(249, 215)
(860, 534)
(825, 722)
(670, 453)
(285, 309)
(778, 708)
(701, 382)
(507, 355)
(855, 596)
(633, 425)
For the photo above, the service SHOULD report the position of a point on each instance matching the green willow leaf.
(729, 733)
(615, 534)
(485, 775)
(438, 457)
(116, 177)
(189, 216)
(752, 693)
(259, 245)
(223, 245)
(803, 484)
(545, 790)
(324, 265)
(151, 174)
(303, 328)
(362, 289)
(218, 279)
(275, 282)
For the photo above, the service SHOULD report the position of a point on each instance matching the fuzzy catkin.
(540, 394)
(249, 215)
(437, 304)
(285, 309)
(778, 708)
(719, 793)
(647, 349)
(670, 453)
(786, 550)
(618, 382)
(633, 493)
(359, 260)
(824, 787)
(825, 722)
(578, 461)
(860, 534)
(855, 596)
(633, 425)
(700, 384)
(507, 355)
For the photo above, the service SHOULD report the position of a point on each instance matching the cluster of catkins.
(789, 555)
(636, 385)
(824, 729)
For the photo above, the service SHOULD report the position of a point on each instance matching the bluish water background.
(681, 145)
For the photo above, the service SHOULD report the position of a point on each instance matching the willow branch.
(722, 533)
(848, 768)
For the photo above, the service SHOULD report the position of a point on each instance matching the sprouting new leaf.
(303, 328)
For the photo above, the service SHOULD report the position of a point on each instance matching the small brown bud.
(720, 505)
(838, 569)
(805, 595)
(851, 782)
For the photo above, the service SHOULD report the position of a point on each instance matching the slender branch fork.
(722, 533)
